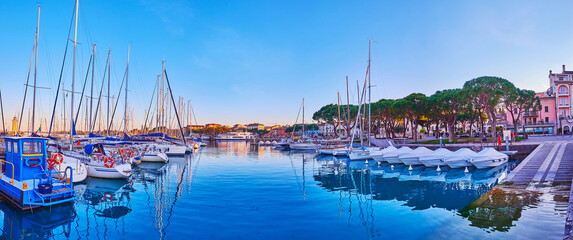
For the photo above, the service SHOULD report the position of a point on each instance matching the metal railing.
(4, 161)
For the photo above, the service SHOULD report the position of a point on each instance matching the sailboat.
(303, 144)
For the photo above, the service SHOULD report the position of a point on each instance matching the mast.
(73, 79)
(108, 86)
(92, 89)
(176, 114)
(2, 108)
(35, 70)
(361, 119)
(302, 117)
(126, 77)
(369, 94)
(338, 105)
(348, 130)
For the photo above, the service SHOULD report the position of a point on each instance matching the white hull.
(154, 157)
(459, 163)
(490, 163)
(118, 171)
(79, 169)
(359, 155)
(326, 151)
(434, 162)
(393, 160)
(411, 161)
(304, 146)
(173, 150)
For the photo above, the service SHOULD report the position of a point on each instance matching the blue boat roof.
(18, 137)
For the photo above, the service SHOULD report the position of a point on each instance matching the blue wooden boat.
(26, 182)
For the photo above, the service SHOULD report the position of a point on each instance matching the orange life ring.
(131, 153)
(121, 151)
(108, 162)
(107, 197)
(58, 158)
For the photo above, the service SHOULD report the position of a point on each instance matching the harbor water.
(232, 190)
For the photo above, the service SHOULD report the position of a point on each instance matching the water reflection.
(38, 224)
(499, 208)
(421, 187)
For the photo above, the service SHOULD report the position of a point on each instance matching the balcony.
(562, 93)
(531, 114)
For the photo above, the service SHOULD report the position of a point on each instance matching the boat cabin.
(26, 181)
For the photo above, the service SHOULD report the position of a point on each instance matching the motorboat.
(413, 157)
(435, 158)
(26, 181)
(379, 154)
(393, 156)
(104, 164)
(359, 154)
(460, 158)
(58, 161)
(304, 146)
(488, 158)
(152, 153)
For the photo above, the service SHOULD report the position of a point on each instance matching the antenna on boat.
(126, 78)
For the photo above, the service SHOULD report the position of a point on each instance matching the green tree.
(449, 105)
(486, 93)
(518, 101)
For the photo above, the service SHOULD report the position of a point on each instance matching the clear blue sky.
(253, 61)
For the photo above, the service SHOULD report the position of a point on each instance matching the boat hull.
(411, 161)
(459, 163)
(120, 171)
(489, 163)
(393, 160)
(434, 162)
(154, 157)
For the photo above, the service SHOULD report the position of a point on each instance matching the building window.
(560, 78)
(563, 112)
(562, 90)
(546, 108)
(562, 101)
(515, 111)
(546, 119)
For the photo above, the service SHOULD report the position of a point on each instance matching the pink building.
(537, 122)
(556, 107)
(560, 85)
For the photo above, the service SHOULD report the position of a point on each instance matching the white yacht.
(488, 158)
(413, 157)
(460, 158)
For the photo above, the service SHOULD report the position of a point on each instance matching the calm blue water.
(235, 191)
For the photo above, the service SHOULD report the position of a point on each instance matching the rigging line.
(295, 121)
(149, 109)
(62, 71)
(175, 108)
(83, 89)
(26, 88)
(99, 98)
(117, 101)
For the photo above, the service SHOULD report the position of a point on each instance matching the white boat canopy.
(489, 154)
(416, 153)
(461, 154)
(439, 153)
(397, 153)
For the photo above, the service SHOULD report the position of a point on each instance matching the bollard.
(24, 186)
(507, 144)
